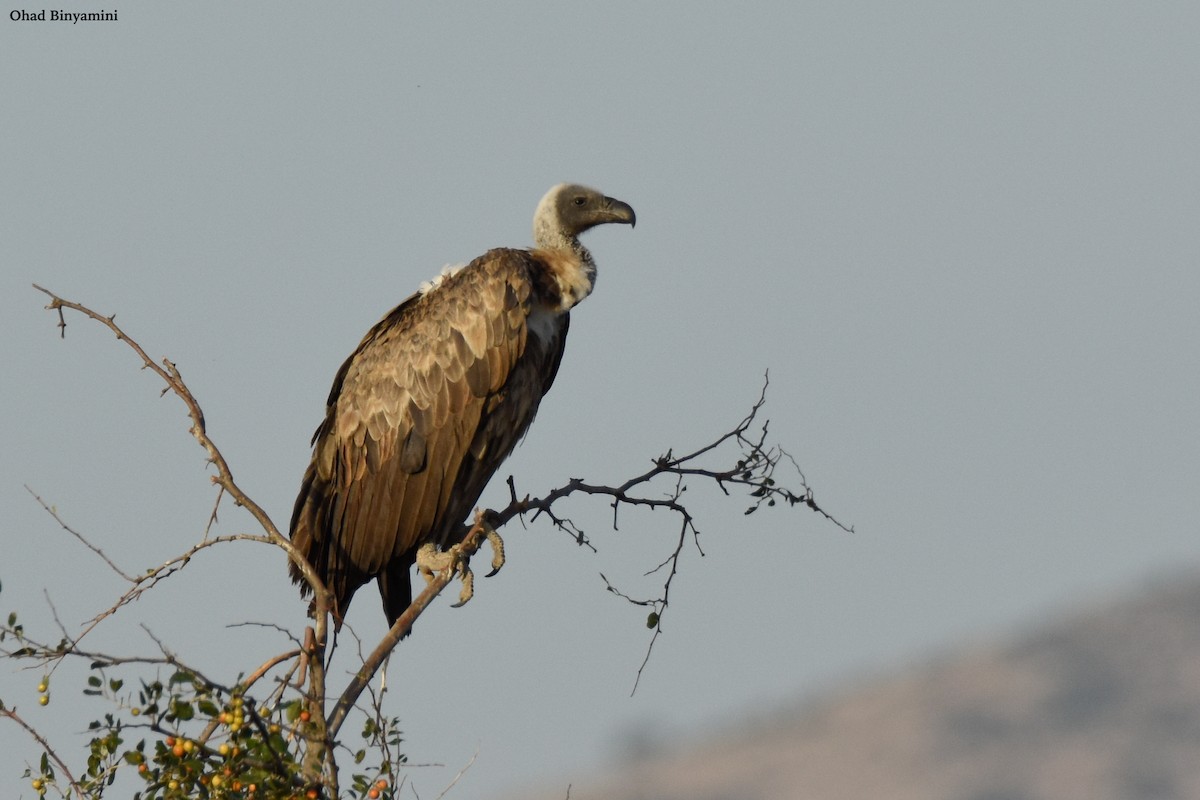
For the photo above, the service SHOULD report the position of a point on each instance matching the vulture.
(433, 400)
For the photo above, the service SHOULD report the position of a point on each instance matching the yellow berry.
(44, 699)
(38, 784)
(43, 686)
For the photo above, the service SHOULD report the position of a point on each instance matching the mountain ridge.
(1102, 703)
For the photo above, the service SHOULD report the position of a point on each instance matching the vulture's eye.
(579, 201)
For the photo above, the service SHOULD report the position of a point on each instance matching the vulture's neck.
(570, 263)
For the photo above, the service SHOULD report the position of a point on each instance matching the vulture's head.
(569, 209)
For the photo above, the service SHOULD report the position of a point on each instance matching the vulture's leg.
(430, 560)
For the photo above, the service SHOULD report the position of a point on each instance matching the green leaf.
(182, 676)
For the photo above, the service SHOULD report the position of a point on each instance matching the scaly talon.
(468, 586)
(430, 561)
(497, 548)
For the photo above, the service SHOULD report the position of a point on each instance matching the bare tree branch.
(54, 513)
(41, 740)
(744, 460)
(171, 376)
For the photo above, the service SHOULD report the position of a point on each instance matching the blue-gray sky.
(962, 237)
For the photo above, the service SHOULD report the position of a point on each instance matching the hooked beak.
(617, 211)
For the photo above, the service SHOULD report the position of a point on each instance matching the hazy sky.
(963, 238)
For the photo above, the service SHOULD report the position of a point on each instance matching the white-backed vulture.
(434, 398)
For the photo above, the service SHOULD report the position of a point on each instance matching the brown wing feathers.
(420, 416)
(435, 398)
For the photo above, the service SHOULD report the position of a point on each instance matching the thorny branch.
(171, 376)
(174, 380)
(54, 513)
(745, 460)
(46, 748)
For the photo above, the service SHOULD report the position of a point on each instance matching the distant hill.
(1104, 705)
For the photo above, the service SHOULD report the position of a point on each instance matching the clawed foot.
(431, 561)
